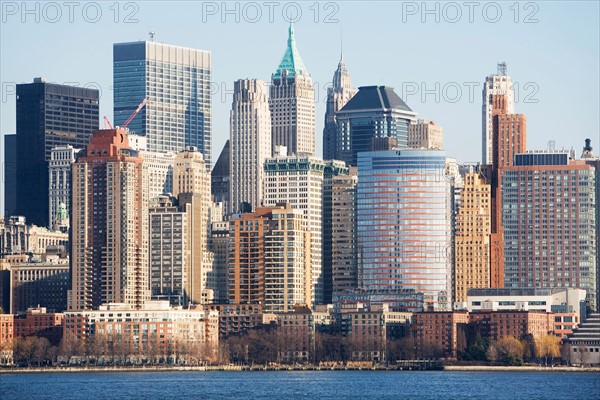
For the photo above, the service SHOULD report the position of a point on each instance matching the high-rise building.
(472, 236)
(108, 225)
(333, 169)
(250, 143)
(374, 112)
(404, 208)
(59, 189)
(169, 247)
(269, 259)
(220, 178)
(48, 115)
(344, 233)
(191, 184)
(425, 134)
(158, 170)
(292, 103)
(494, 85)
(549, 219)
(340, 92)
(298, 180)
(175, 81)
(218, 244)
(9, 173)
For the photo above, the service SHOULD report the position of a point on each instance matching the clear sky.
(436, 55)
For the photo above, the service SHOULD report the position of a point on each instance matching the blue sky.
(552, 52)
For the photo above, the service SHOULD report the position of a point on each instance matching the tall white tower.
(497, 84)
(250, 141)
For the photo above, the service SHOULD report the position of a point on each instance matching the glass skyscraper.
(404, 209)
(176, 82)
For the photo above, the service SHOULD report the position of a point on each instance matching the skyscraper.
(549, 219)
(269, 259)
(404, 208)
(292, 103)
(250, 138)
(220, 178)
(9, 169)
(191, 184)
(59, 190)
(299, 181)
(109, 228)
(472, 236)
(374, 112)
(176, 82)
(48, 115)
(340, 92)
(344, 233)
(496, 84)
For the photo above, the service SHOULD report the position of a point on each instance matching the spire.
(291, 61)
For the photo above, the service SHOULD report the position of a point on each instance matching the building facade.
(48, 115)
(374, 112)
(340, 92)
(549, 219)
(292, 103)
(404, 208)
(425, 134)
(495, 84)
(109, 224)
(250, 138)
(59, 189)
(175, 81)
(472, 237)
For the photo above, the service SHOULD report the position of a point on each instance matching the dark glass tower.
(48, 115)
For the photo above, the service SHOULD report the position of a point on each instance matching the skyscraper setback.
(109, 225)
(292, 103)
(496, 84)
(176, 82)
(48, 115)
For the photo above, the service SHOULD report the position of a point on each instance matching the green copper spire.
(291, 61)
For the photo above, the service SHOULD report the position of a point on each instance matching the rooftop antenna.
(152, 35)
(341, 44)
(551, 145)
(502, 69)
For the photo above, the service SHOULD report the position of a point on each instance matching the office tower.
(250, 141)
(373, 112)
(298, 180)
(220, 178)
(108, 225)
(292, 103)
(269, 260)
(404, 224)
(499, 84)
(332, 170)
(169, 252)
(158, 170)
(59, 188)
(344, 232)
(191, 185)
(549, 220)
(175, 81)
(472, 236)
(48, 115)
(338, 94)
(9, 171)
(425, 134)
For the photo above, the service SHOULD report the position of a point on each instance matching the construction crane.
(137, 110)
(107, 122)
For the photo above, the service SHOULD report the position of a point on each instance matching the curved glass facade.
(404, 209)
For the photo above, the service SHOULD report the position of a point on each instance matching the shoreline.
(238, 368)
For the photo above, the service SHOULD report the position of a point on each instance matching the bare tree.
(40, 350)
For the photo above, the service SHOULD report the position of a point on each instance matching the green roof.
(291, 61)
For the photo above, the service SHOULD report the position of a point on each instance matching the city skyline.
(549, 85)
